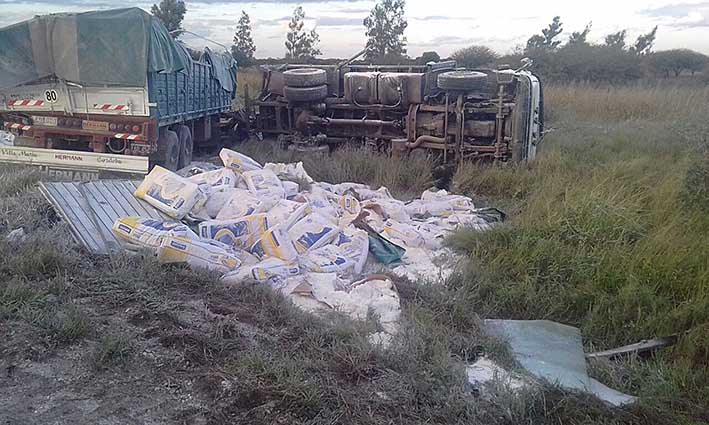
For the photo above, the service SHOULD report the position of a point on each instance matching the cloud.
(93, 4)
(443, 40)
(432, 18)
(271, 22)
(441, 18)
(336, 21)
(355, 10)
(132, 3)
(678, 10)
(681, 15)
(321, 21)
(698, 22)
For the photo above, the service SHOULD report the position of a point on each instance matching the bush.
(475, 56)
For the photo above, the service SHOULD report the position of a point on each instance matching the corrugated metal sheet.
(91, 208)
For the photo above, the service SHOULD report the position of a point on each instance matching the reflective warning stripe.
(110, 107)
(25, 103)
(17, 126)
(127, 136)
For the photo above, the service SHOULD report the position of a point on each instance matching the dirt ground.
(41, 385)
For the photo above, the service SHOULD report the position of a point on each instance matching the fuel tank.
(398, 88)
(361, 87)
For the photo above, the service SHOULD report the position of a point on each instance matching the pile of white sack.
(310, 240)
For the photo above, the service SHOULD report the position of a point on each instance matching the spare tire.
(305, 94)
(305, 77)
(462, 80)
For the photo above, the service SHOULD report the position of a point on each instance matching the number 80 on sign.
(51, 96)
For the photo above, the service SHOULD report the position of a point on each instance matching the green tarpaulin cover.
(114, 47)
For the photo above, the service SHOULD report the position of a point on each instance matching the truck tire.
(462, 81)
(305, 94)
(168, 154)
(186, 146)
(305, 77)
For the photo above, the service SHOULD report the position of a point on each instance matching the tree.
(546, 41)
(616, 39)
(243, 48)
(474, 56)
(171, 13)
(578, 38)
(300, 44)
(385, 31)
(643, 45)
(677, 61)
(427, 57)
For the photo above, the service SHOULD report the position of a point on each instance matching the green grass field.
(608, 231)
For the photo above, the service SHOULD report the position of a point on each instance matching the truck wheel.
(462, 80)
(186, 146)
(305, 94)
(168, 154)
(305, 77)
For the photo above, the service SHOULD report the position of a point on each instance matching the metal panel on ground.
(91, 208)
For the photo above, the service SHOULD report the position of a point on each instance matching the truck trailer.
(107, 91)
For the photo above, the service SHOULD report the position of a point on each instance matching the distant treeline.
(574, 60)
(615, 60)
(568, 63)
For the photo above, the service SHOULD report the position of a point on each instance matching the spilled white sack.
(239, 233)
(198, 253)
(238, 162)
(170, 193)
(149, 232)
(264, 184)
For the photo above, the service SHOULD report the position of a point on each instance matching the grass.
(112, 350)
(608, 232)
(585, 103)
(405, 178)
(253, 79)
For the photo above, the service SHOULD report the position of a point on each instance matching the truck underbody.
(452, 113)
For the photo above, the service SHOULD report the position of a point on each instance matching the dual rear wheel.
(174, 148)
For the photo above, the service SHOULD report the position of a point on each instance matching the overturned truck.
(454, 113)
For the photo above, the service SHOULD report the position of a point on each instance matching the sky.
(440, 25)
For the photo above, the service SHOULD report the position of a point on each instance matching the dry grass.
(406, 178)
(612, 104)
(248, 79)
(609, 234)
